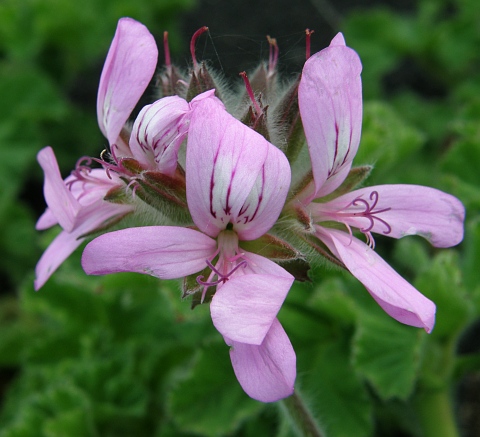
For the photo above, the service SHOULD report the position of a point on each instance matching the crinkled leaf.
(387, 354)
(386, 138)
(209, 401)
(442, 282)
(336, 393)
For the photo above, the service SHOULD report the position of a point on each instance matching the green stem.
(300, 417)
(435, 413)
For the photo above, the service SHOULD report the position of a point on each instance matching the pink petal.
(403, 210)
(267, 197)
(244, 308)
(158, 133)
(330, 101)
(166, 252)
(267, 372)
(230, 174)
(65, 243)
(46, 220)
(130, 64)
(56, 253)
(395, 295)
(94, 186)
(60, 200)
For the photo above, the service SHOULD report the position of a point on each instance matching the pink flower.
(237, 183)
(77, 205)
(330, 100)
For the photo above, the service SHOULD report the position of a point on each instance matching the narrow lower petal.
(90, 219)
(244, 308)
(266, 372)
(130, 64)
(165, 252)
(400, 210)
(56, 253)
(395, 295)
(330, 101)
(60, 200)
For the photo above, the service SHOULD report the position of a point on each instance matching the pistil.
(192, 45)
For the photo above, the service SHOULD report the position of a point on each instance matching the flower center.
(354, 214)
(369, 212)
(230, 259)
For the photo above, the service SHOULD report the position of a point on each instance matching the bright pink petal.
(158, 133)
(244, 308)
(230, 174)
(130, 64)
(395, 295)
(60, 200)
(166, 252)
(399, 210)
(330, 101)
(267, 372)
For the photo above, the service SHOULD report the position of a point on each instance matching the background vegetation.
(124, 356)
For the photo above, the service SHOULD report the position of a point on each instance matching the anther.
(166, 49)
(273, 55)
(308, 34)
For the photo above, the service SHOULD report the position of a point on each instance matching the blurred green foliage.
(123, 355)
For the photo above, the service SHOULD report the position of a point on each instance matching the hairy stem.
(435, 412)
(299, 416)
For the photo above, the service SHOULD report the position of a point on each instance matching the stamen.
(192, 45)
(273, 55)
(308, 34)
(369, 212)
(135, 185)
(250, 93)
(221, 277)
(166, 49)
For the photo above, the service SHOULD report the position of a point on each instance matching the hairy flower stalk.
(223, 214)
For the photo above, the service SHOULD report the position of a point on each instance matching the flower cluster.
(226, 213)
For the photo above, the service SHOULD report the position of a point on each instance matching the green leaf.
(386, 138)
(442, 283)
(336, 393)
(472, 260)
(209, 400)
(387, 354)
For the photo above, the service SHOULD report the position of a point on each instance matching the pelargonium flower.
(330, 100)
(236, 183)
(77, 204)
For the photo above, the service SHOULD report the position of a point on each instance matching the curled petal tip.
(338, 40)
